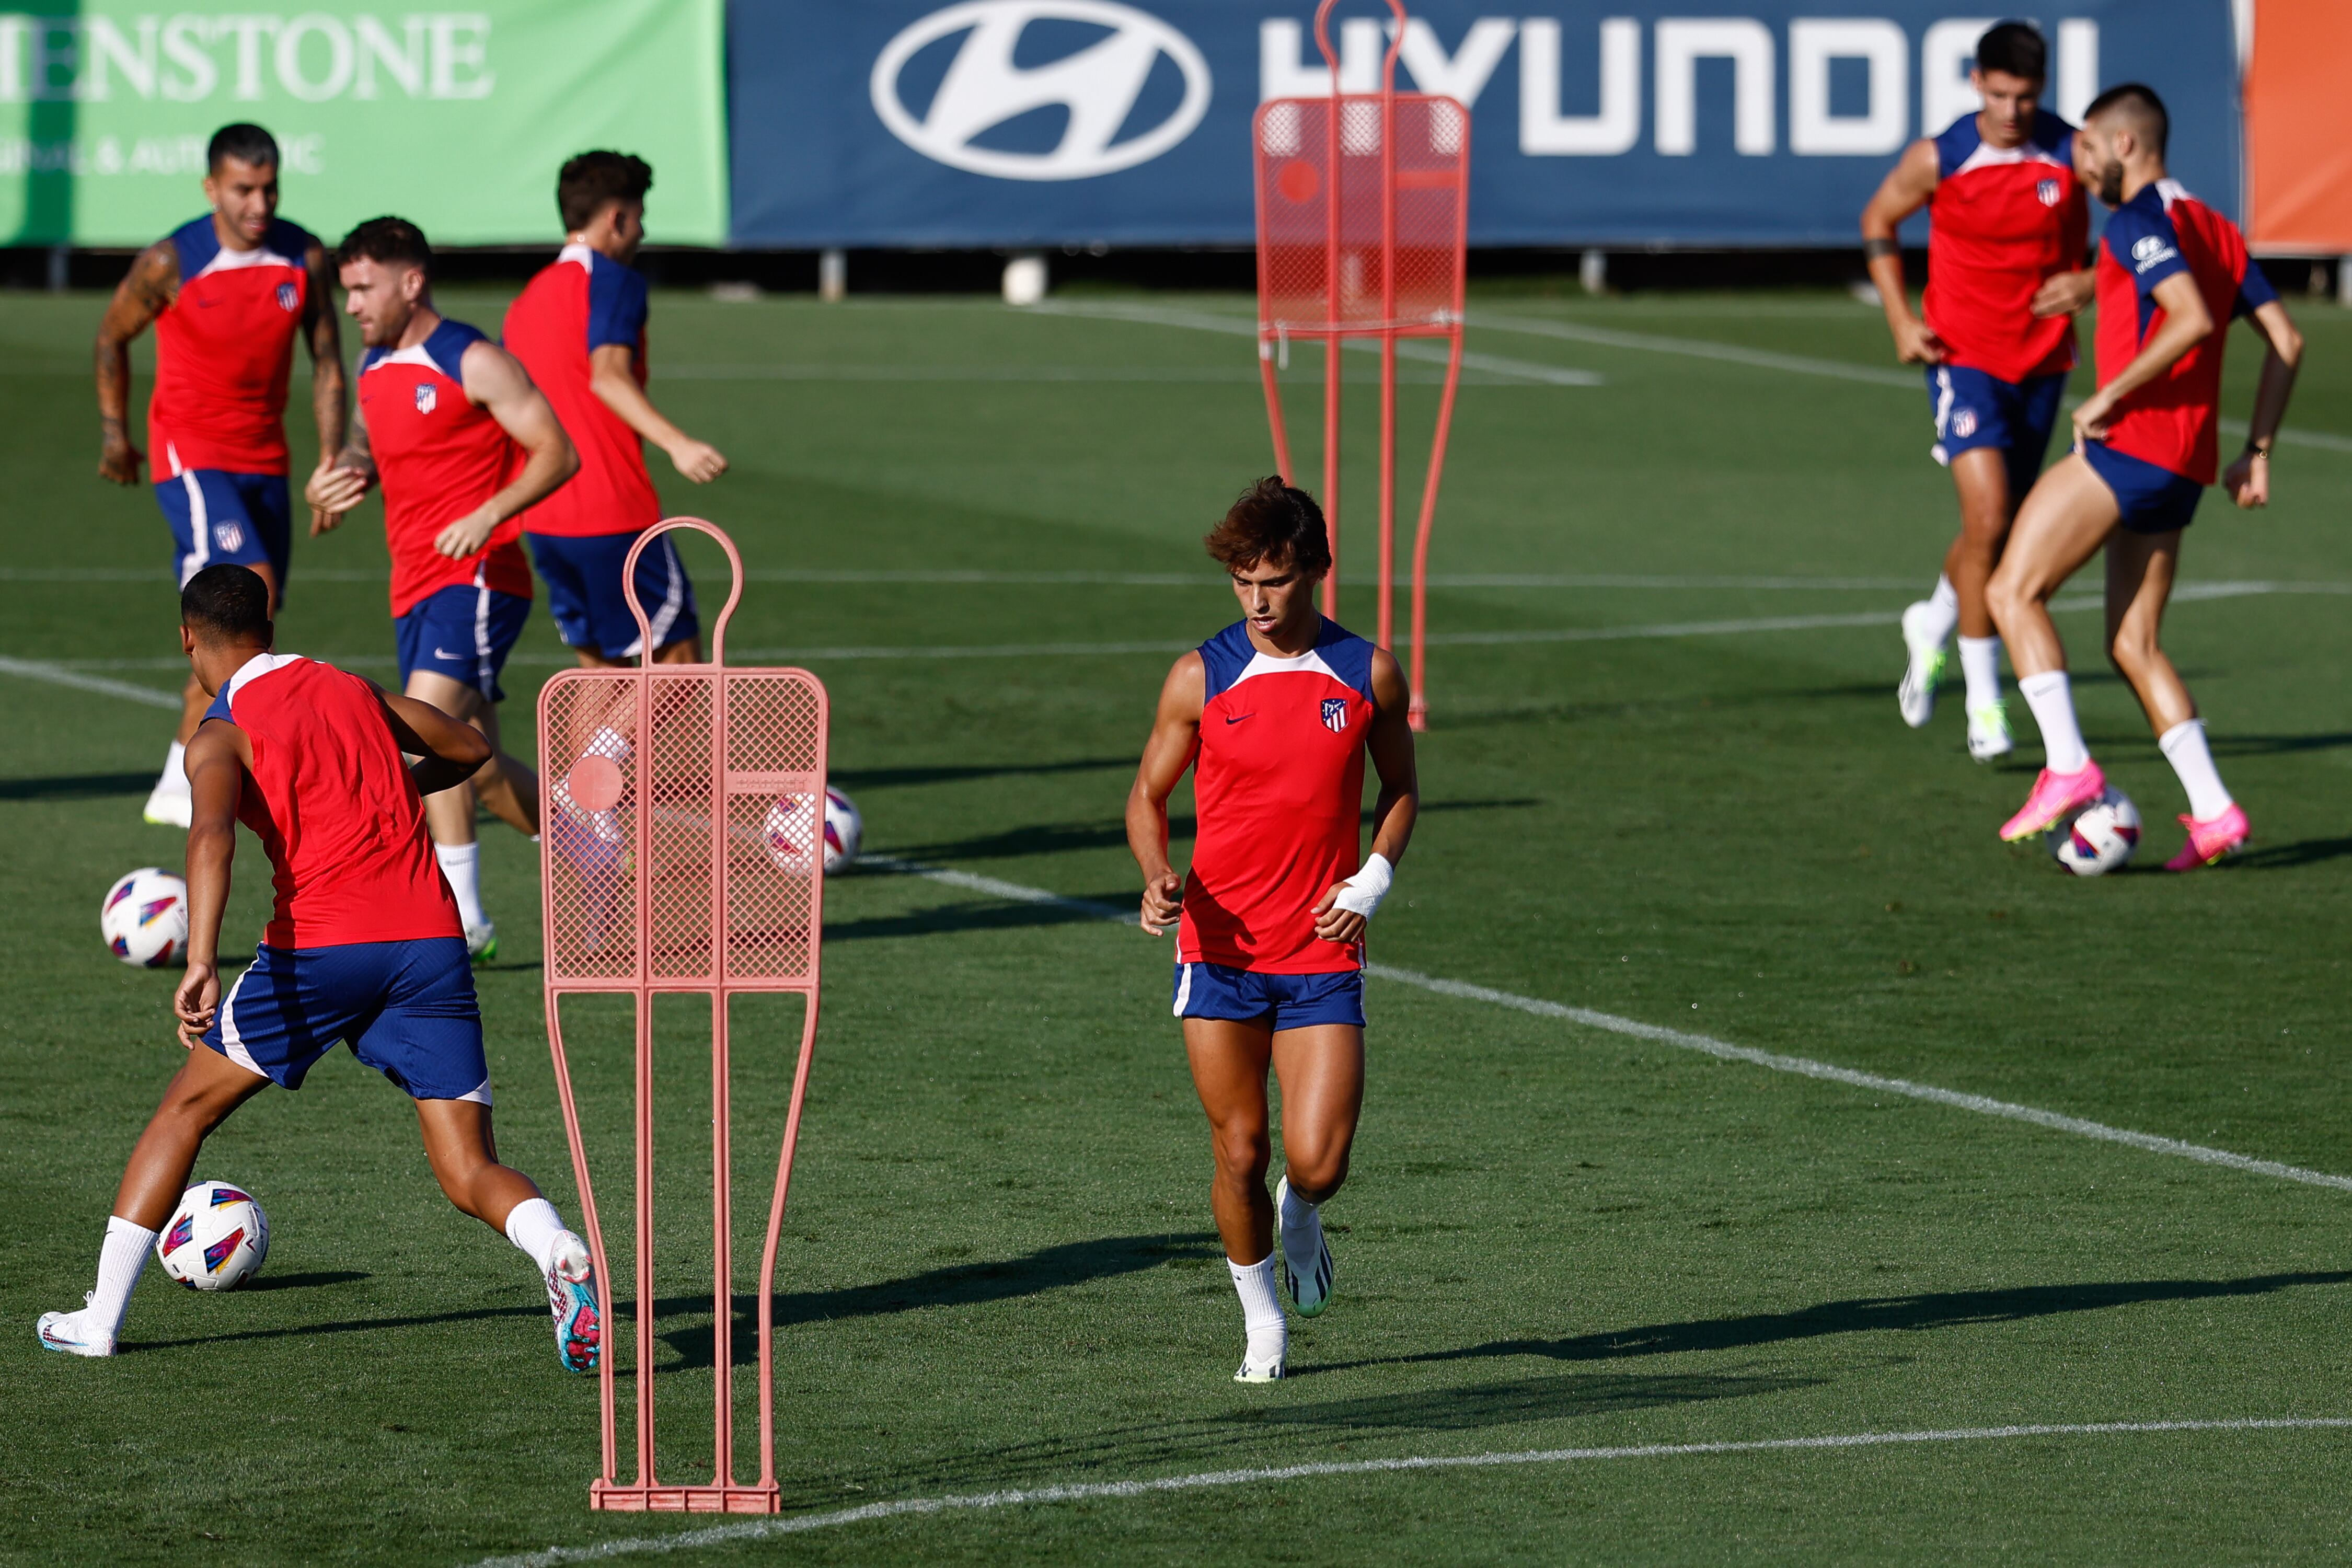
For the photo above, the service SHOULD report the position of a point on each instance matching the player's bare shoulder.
(147, 290)
(1186, 690)
(1390, 691)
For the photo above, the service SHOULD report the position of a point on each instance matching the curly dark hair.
(1274, 522)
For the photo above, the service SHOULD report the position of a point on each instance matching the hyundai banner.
(1051, 123)
(456, 120)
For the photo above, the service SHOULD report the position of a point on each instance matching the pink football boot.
(2054, 795)
(2211, 840)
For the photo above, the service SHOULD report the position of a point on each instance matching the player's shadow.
(981, 917)
(1913, 1314)
(76, 786)
(1307, 1429)
(2284, 857)
(1060, 837)
(309, 1281)
(958, 1285)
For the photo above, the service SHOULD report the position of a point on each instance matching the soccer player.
(2004, 274)
(228, 294)
(1274, 715)
(362, 947)
(2173, 273)
(462, 442)
(579, 328)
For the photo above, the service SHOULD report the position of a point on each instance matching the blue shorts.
(583, 590)
(220, 518)
(464, 632)
(1244, 996)
(407, 1008)
(1973, 409)
(2154, 500)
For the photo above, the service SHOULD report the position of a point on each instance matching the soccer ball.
(146, 918)
(216, 1240)
(2099, 838)
(790, 832)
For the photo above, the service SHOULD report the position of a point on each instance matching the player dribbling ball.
(1275, 715)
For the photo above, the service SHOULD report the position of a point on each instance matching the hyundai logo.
(1098, 85)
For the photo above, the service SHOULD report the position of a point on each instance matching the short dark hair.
(1273, 522)
(2016, 48)
(246, 144)
(388, 239)
(592, 179)
(227, 603)
(2139, 107)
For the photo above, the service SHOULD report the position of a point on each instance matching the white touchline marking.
(1803, 1067)
(1080, 1491)
(1421, 350)
(59, 674)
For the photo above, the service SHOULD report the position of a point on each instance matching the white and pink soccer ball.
(146, 918)
(791, 832)
(2101, 837)
(216, 1239)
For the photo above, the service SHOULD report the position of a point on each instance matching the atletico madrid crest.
(1335, 715)
(426, 398)
(287, 298)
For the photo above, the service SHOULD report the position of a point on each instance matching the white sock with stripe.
(2184, 747)
(122, 1258)
(461, 865)
(1269, 1333)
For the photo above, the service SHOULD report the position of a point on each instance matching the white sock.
(462, 865)
(2184, 747)
(2052, 698)
(1943, 611)
(175, 769)
(1301, 1230)
(122, 1258)
(535, 1226)
(1269, 1333)
(608, 743)
(1980, 663)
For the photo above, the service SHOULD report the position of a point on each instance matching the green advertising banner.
(455, 119)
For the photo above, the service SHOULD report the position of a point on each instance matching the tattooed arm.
(144, 293)
(329, 405)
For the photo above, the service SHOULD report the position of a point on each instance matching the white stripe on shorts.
(481, 1094)
(200, 528)
(1183, 988)
(482, 628)
(233, 1043)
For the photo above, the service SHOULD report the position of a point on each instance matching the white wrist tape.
(1361, 894)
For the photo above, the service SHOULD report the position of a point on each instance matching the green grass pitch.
(998, 1270)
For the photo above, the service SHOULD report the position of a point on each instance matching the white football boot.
(1916, 694)
(1311, 1279)
(1253, 1371)
(482, 942)
(70, 1333)
(1988, 738)
(169, 807)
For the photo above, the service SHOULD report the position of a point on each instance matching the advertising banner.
(455, 119)
(1626, 122)
(2298, 158)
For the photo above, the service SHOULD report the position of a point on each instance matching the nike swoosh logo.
(440, 652)
(1238, 721)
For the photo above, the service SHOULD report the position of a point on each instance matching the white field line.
(797, 1524)
(1423, 351)
(60, 670)
(1804, 364)
(1724, 1051)
(59, 675)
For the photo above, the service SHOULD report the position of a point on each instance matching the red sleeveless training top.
(330, 799)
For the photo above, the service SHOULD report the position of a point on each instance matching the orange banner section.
(2298, 137)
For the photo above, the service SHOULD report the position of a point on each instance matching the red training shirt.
(582, 302)
(2003, 221)
(224, 349)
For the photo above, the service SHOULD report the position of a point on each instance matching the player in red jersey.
(462, 442)
(2172, 274)
(579, 329)
(1275, 715)
(2004, 274)
(228, 293)
(363, 946)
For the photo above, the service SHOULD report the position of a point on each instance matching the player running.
(2005, 272)
(228, 294)
(580, 330)
(1274, 715)
(462, 442)
(362, 947)
(2173, 273)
